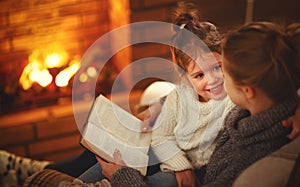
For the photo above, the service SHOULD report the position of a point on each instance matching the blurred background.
(43, 41)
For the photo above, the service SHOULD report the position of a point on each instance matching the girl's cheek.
(220, 75)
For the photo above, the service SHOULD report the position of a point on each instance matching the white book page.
(110, 127)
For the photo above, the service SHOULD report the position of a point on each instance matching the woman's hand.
(294, 122)
(108, 168)
(186, 178)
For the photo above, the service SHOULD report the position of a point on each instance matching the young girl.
(183, 137)
(262, 73)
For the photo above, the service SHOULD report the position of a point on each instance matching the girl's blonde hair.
(266, 56)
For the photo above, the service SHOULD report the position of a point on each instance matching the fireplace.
(43, 44)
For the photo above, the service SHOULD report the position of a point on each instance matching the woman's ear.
(248, 91)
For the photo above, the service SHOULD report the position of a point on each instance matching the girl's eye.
(216, 68)
(199, 75)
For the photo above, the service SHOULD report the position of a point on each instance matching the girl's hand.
(108, 168)
(145, 116)
(186, 178)
(149, 116)
(294, 122)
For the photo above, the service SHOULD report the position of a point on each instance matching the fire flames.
(41, 61)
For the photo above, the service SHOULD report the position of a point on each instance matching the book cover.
(110, 127)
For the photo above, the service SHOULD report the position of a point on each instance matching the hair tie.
(182, 26)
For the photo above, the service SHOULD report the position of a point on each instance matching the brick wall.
(147, 10)
(47, 133)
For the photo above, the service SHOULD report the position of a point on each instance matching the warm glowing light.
(55, 56)
(63, 78)
(43, 78)
(26, 84)
(52, 56)
(53, 60)
(34, 74)
(75, 65)
(26, 79)
(83, 77)
(91, 71)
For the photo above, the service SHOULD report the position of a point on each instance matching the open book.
(111, 127)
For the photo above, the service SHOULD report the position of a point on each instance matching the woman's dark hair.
(266, 56)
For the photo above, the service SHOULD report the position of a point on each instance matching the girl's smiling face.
(207, 78)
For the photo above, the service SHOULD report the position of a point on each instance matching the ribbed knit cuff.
(177, 163)
(127, 177)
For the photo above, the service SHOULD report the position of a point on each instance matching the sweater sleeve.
(226, 177)
(164, 142)
(51, 178)
(127, 177)
(124, 177)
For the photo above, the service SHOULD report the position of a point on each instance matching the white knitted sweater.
(184, 134)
